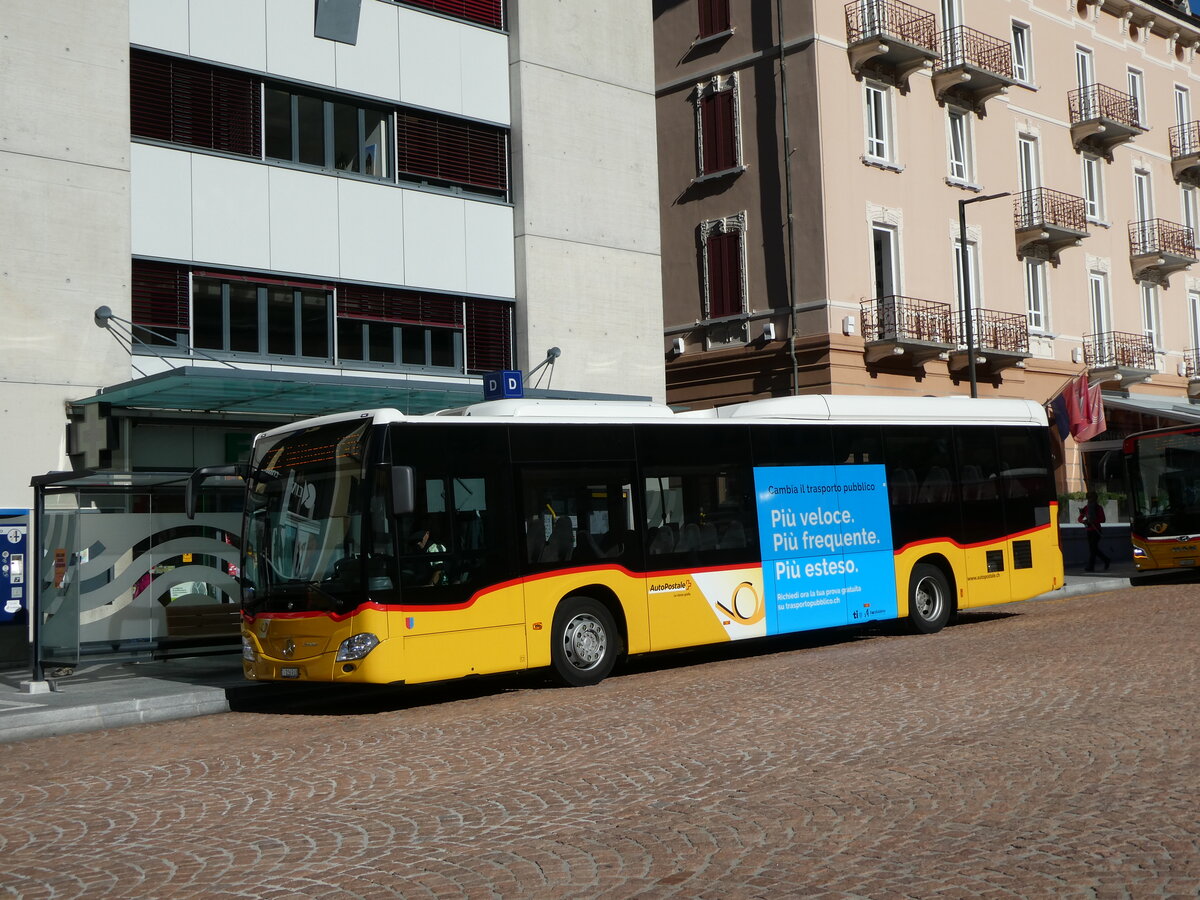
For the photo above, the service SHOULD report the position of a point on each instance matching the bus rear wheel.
(929, 603)
(584, 640)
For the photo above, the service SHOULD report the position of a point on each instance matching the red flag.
(1095, 423)
(1076, 400)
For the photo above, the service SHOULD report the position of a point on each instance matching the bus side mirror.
(198, 477)
(402, 490)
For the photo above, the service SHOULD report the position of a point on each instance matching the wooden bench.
(201, 628)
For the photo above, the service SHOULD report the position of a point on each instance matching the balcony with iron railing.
(1119, 356)
(1185, 152)
(906, 329)
(1103, 118)
(972, 67)
(1000, 340)
(1191, 370)
(1048, 221)
(1158, 248)
(890, 39)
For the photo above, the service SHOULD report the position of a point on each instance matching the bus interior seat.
(663, 541)
(972, 482)
(535, 538)
(734, 537)
(904, 486)
(708, 536)
(936, 486)
(561, 543)
(586, 547)
(689, 538)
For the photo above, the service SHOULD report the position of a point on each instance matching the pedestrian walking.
(1092, 518)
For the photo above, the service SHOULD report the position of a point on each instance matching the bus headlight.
(1139, 553)
(357, 646)
(247, 649)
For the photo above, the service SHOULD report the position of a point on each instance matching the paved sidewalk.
(99, 696)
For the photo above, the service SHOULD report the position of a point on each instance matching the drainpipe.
(787, 190)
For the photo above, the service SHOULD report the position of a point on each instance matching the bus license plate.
(1187, 562)
(289, 672)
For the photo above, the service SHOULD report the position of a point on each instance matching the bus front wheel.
(585, 642)
(929, 603)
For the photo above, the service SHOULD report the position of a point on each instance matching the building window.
(972, 273)
(399, 328)
(1029, 166)
(270, 317)
(1093, 188)
(880, 145)
(280, 319)
(1194, 320)
(438, 148)
(484, 12)
(1035, 294)
(329, 134)
(722, 244)
(718, 141)
(885, 256)
(1151, 316)
(1098, 301)
(186, 102)
(1137, 90)
(1022, 53)
(959, 127)
(1187, 202)
(714, 17)
(205, 106)
(1183, 105)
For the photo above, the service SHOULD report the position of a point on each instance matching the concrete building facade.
(282, 208)
(1080, 112)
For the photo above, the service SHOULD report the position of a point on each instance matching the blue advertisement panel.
(826, 539)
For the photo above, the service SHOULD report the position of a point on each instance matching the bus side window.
(578, 516)
(922, 483)
(694, 512)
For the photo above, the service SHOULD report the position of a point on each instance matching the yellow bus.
(1163, 470)
(567, 535)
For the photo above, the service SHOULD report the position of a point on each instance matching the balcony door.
(1085, 77)
(1183, 105)
(1098, 301)
(1143, 211)
(1029, 178)
(887, 279)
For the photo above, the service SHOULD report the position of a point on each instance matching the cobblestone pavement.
(1043, 749)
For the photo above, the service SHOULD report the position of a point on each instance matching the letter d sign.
(502, 385)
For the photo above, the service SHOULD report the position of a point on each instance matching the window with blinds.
(448, 150)
(485, 12)
(718, 138)
(191, 103)
(724, 254)
(160, 304)
(714, 17)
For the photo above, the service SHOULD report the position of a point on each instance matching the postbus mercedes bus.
(565, 535)
(1163, 471)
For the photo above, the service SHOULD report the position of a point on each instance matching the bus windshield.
(1165, 477)
(303, 543)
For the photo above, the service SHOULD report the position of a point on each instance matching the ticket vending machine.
(15, 585)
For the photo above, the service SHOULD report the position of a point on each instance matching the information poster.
(826, 541)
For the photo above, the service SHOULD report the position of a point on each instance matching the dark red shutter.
(486, 12)
(717, 132)
(192, 103)
(445, 149)
(402, 307)
(160, 295)
(714, 16)
(724, 275)
(489, 336)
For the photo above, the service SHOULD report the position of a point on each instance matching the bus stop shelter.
(120, 572)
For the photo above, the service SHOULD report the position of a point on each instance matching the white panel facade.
(370, 240)
(161, 202)
(485, 75)
(230, 216)
(232, 31)
(292, 51)
(372, 66)
(430, 64)
(304, 222)
(489, 230)
(162, 24)
(435, 250)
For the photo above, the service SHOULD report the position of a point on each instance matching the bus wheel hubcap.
(584, 641)
(928, 598)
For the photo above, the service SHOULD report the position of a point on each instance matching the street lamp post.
(964, 275)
